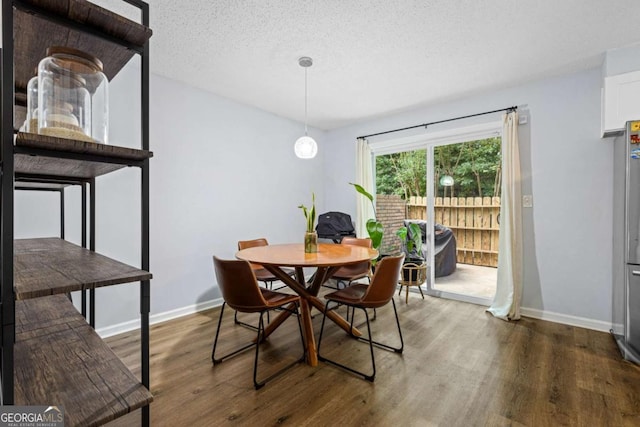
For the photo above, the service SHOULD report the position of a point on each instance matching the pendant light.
(305, 147)
(446, 181)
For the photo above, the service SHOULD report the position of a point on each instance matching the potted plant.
(411, 238)
(375, 228)
(311, 236)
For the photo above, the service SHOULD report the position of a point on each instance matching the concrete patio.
(472, 280)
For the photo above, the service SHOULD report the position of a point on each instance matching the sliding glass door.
(450, 187)
(466, 213)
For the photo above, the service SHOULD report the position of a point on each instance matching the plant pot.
(411, 274)
(311, 242)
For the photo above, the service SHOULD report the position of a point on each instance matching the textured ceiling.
(375, 57)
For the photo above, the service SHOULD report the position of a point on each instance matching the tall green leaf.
(416, 237)
(310, 214)
(374, 227)
(376, 231)
(360, 189)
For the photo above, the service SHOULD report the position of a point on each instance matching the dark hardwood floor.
(460, 367)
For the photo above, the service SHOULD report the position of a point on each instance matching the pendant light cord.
(305, 101)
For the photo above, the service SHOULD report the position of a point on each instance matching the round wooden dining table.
(328, 259)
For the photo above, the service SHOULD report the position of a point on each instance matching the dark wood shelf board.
(60, 360)
(63, 145)
(30, 49)
(48, 155)
(50, 266)
(62, 167)
(40, 316)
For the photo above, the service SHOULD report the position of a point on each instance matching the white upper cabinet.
(620, 102)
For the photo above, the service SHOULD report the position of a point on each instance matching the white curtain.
(506, 303)
(364, 177)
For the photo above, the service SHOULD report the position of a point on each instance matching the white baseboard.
(158, 318)
(618, 328)
(565, 319)
(132, 325)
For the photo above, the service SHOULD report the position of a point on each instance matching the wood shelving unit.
(50, 354)
(57, 350)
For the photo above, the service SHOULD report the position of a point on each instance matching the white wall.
(622, 60)
(224, 172)
(565, 165)
(221, 172)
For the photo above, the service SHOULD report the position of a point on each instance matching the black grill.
(335, 226)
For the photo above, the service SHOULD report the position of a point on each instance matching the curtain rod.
(509, 109)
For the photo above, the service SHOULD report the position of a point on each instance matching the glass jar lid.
(69, 58)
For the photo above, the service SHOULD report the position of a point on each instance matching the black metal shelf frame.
(39, 181)
(19, 187)
(8, 186)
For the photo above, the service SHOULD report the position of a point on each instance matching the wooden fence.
(474, 222)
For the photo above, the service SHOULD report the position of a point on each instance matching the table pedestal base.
(308, 300)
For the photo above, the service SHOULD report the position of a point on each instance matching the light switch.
(527, 201)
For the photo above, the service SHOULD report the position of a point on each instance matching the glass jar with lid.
(31, 123)
(73, 98)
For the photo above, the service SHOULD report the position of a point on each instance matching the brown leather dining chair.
(241, 292)
(263, 275)
(351, 273)
(377, 294)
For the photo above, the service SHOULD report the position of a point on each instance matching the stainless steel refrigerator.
(626, 242)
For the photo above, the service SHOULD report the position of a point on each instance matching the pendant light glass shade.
(305, 147)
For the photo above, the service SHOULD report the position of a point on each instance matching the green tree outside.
(474, 165)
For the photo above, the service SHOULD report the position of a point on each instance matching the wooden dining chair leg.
(407, 297)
